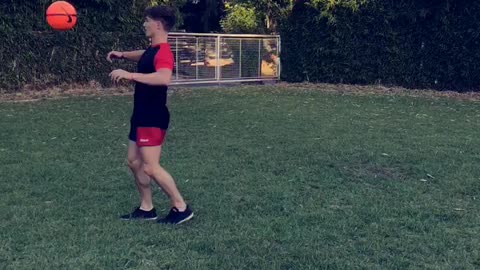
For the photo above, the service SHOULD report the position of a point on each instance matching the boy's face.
(152, 27)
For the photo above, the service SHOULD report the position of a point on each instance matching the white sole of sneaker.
(147, 219)
(186, 219)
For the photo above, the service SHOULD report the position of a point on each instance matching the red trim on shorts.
(150, 136)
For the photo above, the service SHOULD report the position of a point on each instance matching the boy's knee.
(134, 164)
(149, 169)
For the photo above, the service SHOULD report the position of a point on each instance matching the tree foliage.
(241, 19)
(269, 12)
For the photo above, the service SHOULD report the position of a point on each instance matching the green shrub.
(404, 42)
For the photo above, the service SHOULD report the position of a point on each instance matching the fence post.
(259, 59)
(217, 66)
(196, 59)
(279, 52)
(177, 57)
(240, 60)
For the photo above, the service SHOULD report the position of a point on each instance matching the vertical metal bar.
(217, 66)
(259, 59)
(240, 60)
(177, 56)
(279, 50)
(196, 59)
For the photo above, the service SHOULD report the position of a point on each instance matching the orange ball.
(61, 16)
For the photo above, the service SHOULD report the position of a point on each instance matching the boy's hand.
(120, 74)
(114, 54)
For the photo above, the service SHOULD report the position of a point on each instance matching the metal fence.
(217, 58)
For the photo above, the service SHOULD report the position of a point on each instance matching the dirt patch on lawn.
(382, 90)
(94, 89)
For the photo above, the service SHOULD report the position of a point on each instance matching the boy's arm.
(132, 55)
(162, 77)
(163, 63)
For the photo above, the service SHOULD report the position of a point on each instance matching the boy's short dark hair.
(164, 14)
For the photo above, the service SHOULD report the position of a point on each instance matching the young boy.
(150, 118)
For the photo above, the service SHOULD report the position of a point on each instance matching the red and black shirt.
(150, 101)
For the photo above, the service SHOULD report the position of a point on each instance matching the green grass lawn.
(279, 179)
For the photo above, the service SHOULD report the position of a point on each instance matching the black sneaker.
(176, 217)
(139, 214)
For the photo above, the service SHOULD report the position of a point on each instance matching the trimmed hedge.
(416, 44)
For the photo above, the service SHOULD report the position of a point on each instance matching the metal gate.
(217, 58)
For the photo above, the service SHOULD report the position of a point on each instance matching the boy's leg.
(142, 180)
(150, 156)
(146, 210)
